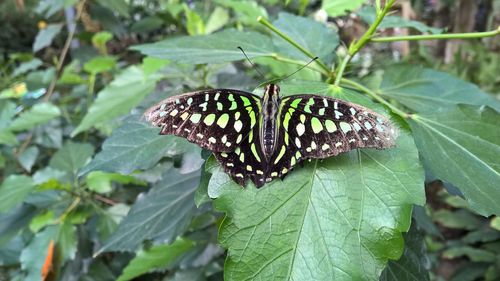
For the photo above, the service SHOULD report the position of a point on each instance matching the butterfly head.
(272, 91)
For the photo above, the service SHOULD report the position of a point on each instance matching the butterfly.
(262, 138)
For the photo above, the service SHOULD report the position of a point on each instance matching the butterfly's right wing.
(313, 126)
(217, 120)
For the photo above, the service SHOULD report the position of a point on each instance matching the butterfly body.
(270, 108)
(262, 138)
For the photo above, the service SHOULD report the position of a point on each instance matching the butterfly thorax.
(270, 109)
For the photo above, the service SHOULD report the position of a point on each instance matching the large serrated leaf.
(161, 215)
(424, 90)
(135, 145)
(118, 98)
(462, 147)
(339, 219)
(214, 48)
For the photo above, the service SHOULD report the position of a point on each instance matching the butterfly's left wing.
(312, 126)
(217, 120)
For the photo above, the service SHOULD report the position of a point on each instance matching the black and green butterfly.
(263, 138)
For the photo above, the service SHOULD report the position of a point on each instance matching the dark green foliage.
(81, 166)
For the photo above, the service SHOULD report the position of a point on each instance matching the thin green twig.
(269, 25)
(471, 35)
(375, 96)
(365, 38)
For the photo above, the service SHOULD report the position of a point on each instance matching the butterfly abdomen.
(270, 109)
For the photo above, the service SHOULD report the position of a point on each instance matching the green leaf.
(336, 8)
(27, 66)
(147, 24)
(194, 23)
(151, 65)
(161, 215)
(135, 145)
(495, 223)
(72, 157)
(119, 6)
(28, 157)
(33, 256)
(16, 220)
(45, 36)
(9, 253)
(67, 241)
(368, 15)
(475, 255)
(155, 257)
(100, 64)
(41, 220)
(414, 264)
(246, 12)
(314, 36)
(461, 219)
(39, 114)
(14, 190)
(217, 20)
(100, 182)
(214, 48)
(100, 39)
(340, 218)
(461, 146)
(8, 138)
(425, 90)
(118, 98)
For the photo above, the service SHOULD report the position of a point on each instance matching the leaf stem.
(269, 25)
(375, 96)
(356, 45)
(470, 35)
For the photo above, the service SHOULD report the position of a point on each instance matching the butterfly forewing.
(217, 120)
(313, 126)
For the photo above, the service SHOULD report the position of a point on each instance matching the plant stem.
(375, 96)
(71, 207)
(341, 69)
(269, 25)
(471, 35)
(64, 52)
(365, 38)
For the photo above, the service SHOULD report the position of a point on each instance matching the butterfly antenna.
(253, 65)
(304, 66)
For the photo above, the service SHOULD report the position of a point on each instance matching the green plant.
(82, 169)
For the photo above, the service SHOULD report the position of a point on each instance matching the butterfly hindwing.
(312, 126)
(246, 162)
(217, 120)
